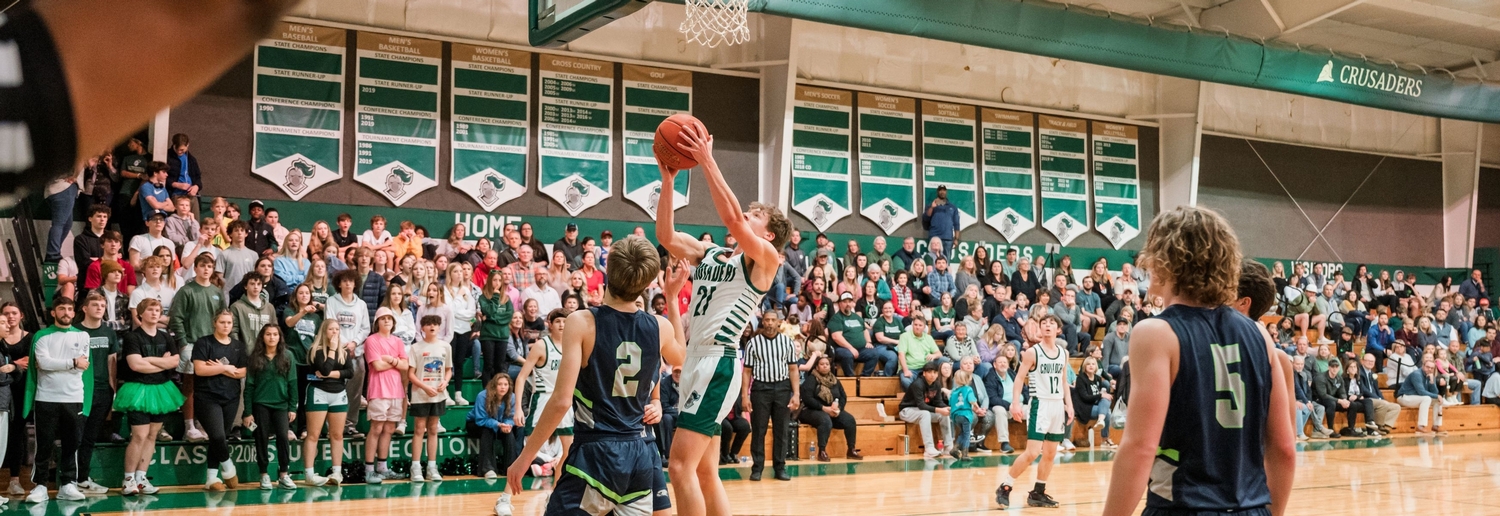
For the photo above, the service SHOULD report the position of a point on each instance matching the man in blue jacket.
(941, 220)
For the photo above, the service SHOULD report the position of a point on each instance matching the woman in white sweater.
(353, 317)
(463, 306)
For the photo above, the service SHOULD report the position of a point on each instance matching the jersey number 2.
(628, 357)
(704, 295)
(1230, 412)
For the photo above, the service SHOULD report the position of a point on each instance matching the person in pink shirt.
(386, 354)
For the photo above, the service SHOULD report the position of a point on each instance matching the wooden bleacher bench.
(1455, 418)
(879, 386)
(875, 439)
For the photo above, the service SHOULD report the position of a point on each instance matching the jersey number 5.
(704, 295)
(628, 358)
(1230, 412)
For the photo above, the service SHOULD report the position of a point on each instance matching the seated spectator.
(1331, 391)
(406, 242)
(93, 277)
(1420, 391)
(916, 349)
(962, 345)
(1473, 287)
(493, 419)
(998, 380)
(1116, 347)
(1092, 396)
(1014, 330)
(823, 400)
(923, 404)
(736, 428)
(1306, 408)
(377, 238)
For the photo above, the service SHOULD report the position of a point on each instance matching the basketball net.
(712, 22)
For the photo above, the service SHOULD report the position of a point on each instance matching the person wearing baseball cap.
(569, 244)
(850, 338)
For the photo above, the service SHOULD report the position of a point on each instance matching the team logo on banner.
(1009, 171)
(887, 160)
(396, 182)
(1117, 185)
(299, 107)
(396, 141)
(1064, 173)
(576, 143)
(490, 188)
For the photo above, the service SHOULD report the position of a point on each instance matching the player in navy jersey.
(611, 362)
(1209, 428)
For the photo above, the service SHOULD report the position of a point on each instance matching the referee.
(771, 363)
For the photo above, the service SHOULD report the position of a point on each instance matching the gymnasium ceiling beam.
(1271, 19)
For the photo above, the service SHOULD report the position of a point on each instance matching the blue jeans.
(983, 369)
(961, 431)
(1475, 389)
(883, 353)
(941, 336)
(62, 220)
(846, 359)
(1302, 414)
(1099, 410)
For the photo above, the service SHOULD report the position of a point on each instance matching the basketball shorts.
(319, 400)
(710, 385)
(622, 477)
(1047, 420)
(538, 402)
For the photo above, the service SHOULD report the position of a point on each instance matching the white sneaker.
(374, 478)
(195, 434)
(458, 397)
(146, 487)
(38, 495)
(285, 482)
(1067, 444)
(70, 491)
(490, 475)
(15, 488)
(265, 482)
(416, 475)
(449, 402)
(130, 488)
(163, 436)
(316, 479)
(502, 506)
(401, 428)
(433, 475)
(439, 429)
(932, 453)
(336, 478)
(90, 487)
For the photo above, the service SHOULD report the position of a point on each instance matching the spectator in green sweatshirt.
(191, 318)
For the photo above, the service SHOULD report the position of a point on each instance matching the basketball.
(669, 135)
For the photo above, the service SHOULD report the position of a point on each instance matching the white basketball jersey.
(1050, 375)
(722, 300)
(544, 377)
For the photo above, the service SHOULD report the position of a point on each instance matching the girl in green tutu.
(147, 393)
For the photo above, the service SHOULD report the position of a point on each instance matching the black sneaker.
(1035, 499)
(1002, 496)
(979, 444)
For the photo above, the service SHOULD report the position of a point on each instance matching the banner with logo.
(1009, 171)
(887, 160)
(576, 143)
(299, 107)
(396, 142)
(948, 158)
(1117, 183)
(652, 95)
(491, 106)
(1063, 144)
(821, 153)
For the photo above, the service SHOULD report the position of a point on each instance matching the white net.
(714, 22)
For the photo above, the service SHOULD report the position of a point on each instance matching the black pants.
(735, 431)
(216, 419)
(1362, 406)
(509, 447)
(15, 448)
(825, 425)
(96, 424)
(495, 360)
(57, 422)
(768, 400)
(270, 423)
(463, 347)
(664, 431)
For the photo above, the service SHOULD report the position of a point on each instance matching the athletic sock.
(140, 476)
(213, 475)
(336, 470)
(1041, 487)
(1006, 480)
(382, 467)
(369, 468)
(129, 477)
(432, 464)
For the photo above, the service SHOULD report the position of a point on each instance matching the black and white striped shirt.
(768, 358)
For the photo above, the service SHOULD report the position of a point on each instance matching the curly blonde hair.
(1196, 252)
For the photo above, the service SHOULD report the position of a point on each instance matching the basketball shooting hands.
(678, 273)
(699, 147)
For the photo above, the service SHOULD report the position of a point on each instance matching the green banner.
(1062, 144)
(576, 145)
(887, 160)
(491, 108)
(820, 154)
(396, 141)
(948, 157)
(1117, 184)
(299, 107)
(652, 95)
(1009, 171)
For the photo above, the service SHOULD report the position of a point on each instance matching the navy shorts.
(622, 477)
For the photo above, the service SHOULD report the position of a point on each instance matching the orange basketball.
(669, 135)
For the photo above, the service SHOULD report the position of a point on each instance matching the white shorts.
(538, 402)
(1048, 418)
(709, 388)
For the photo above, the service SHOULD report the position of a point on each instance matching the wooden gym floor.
(1454, 475)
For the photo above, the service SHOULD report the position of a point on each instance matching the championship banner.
(299, 107)
(948, 158)
(1009, 171)
(397, 139)
(1064, 167)
(652, 95)
(576, 145)
(1117, 183)
(887, 160)
(821, 154)
(491, 106)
